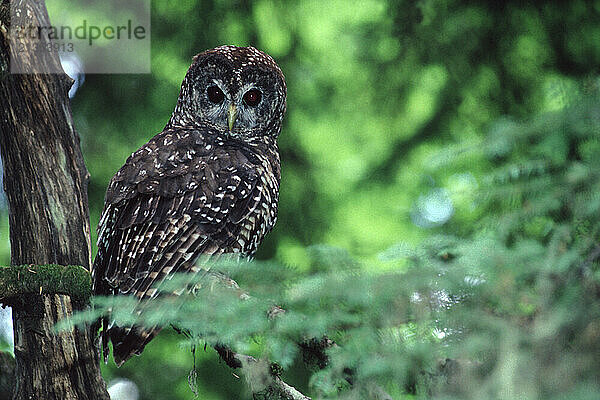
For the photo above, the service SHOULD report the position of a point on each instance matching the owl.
(208, 184)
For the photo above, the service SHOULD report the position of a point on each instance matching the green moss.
(72, 280)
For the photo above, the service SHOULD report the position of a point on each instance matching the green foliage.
(367, 315)
(514, 300)
(488, 107)
(527, 275)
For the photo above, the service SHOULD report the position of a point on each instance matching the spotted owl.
(208, 184)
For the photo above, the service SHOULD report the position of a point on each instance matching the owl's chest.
(261, 213)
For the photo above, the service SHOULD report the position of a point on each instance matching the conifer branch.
(262, 376)
(313, 352)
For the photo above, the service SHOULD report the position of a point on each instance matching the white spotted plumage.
(197, 188)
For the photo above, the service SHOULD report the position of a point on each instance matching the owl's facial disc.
(235, 108)
(214, 100)
(235, 90)
(249, 114)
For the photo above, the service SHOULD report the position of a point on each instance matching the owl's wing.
(174, 199)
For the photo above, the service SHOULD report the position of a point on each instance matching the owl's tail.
(126, 341)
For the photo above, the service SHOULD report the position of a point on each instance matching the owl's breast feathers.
(184, 194)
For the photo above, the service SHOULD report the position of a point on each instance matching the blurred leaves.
(375, 90)
(493, 105)
(512, 300)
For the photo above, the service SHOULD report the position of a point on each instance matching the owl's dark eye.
(215, 94)
(252, 97)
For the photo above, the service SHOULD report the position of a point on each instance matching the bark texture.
(45, 180)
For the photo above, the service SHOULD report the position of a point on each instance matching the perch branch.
(263, 377)
(313, 352)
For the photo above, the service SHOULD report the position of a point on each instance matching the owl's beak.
(231, 116)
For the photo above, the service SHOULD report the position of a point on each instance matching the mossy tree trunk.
(45, 180)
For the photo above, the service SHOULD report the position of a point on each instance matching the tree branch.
(262, 377)
(313, 353)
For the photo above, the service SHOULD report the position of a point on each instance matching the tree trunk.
(45, 180)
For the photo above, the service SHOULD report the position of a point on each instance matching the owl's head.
(236, 90)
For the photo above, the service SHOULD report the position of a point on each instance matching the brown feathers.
(208, 184)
